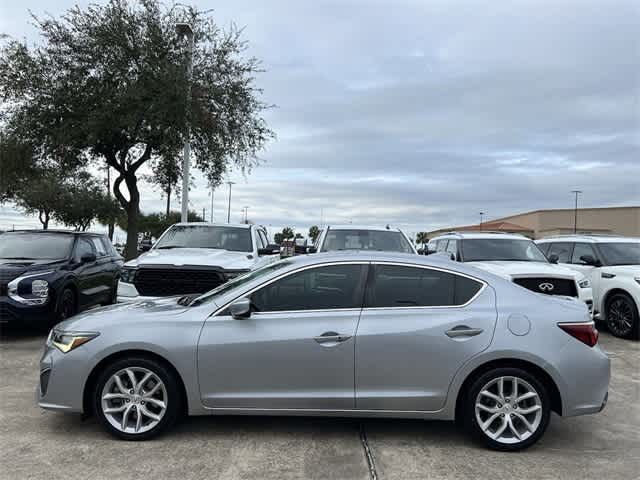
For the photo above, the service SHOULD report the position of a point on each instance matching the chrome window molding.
(365, 309)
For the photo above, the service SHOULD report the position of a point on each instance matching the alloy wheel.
(134, 400)
(508, 410)
(620, 317)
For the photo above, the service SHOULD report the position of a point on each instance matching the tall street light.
(185, 30)
(575, 210)
(229, 205)
(481, 214)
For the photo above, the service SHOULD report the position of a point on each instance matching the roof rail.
(502, 232)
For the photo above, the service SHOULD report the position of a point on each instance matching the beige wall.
(615, 220)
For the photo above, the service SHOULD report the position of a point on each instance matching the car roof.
(63, 232)
(590, 239)
(376, 228)
(463, 235)
(436, 261)
(209, 224)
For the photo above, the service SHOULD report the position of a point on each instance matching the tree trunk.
(44, 219)
(168, 192)
(111, 227)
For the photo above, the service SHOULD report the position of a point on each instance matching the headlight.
(584, 283)
(29, 289)
(67, 341)
(128, 274)
(235, 274)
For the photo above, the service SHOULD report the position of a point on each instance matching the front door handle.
(463, 331)
(331, 337)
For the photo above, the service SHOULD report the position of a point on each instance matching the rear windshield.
(35, 246)
(381, 240)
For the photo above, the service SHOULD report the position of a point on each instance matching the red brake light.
(584, 331)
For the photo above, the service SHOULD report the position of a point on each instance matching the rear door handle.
(463, 331)
(331, 337)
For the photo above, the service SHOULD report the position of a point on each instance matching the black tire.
(470, 421)
(173, 400)
(622, 316)
(67, 305)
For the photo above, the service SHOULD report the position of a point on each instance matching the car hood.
(195, 256)
(509, 270)
(10, 268)
(623, 270)
(95, 319)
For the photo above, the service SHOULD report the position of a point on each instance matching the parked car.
(613, 265)
(516, 258)
(192, 258)
(350, 237)
(47, 275)
(340, 334)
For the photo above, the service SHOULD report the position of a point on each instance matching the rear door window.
(441, 245)
(580, 250)
(405, 286)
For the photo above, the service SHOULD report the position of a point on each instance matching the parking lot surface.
(36, 444)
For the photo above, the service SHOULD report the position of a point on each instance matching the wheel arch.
(92, 378)
(532, 368)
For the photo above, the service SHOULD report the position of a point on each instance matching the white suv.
(351, 237)
(516, 258)
(613, 266)
(193, 258)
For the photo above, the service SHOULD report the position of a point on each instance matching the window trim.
(428, 267)
(365, 263)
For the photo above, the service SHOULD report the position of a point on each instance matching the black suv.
(47, 275)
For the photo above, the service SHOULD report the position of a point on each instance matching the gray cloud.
(422, 114)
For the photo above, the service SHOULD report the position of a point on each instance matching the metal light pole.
(186, 30)
(229, 205)
(481, 214)
(212, 189)
(246, 214)
(575, 210)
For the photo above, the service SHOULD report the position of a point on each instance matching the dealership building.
(543, 223)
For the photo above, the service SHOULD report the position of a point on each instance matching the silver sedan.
(344, 334)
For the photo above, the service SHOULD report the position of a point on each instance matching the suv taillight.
(584, 331)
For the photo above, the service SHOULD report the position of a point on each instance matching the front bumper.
(16, 313)
(127, 292)
(63, 388)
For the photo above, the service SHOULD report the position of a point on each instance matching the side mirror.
(240, 309)
(554, 258)
(88, 258)
(271, 249)
(312, 250)
(589, 260)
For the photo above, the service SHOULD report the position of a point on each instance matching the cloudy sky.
(422, 113)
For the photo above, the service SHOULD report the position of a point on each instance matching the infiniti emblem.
(546, 286)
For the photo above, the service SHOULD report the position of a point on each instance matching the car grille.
(161, 282)
(549, 286)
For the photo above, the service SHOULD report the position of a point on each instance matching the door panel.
(272, 361)
(404, 358)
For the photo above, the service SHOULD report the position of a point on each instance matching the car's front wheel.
(622, 316)
(507, 409)
(137, 398)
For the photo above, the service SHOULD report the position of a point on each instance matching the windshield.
(241, 280)
(620, 253)
(234, 239)
(383, 240)
(35, 246)
(505, 249)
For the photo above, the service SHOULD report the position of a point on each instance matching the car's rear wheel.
(622, 316)
(137, 398)
(507, 409)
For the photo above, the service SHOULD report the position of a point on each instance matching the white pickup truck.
(192, 258)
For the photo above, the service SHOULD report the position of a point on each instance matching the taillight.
(584, 331)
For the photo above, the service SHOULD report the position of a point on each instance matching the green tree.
(42, 195)
(166, 174)
(152, 225)
(314, 233)
(287, 233)
(422, 238)
(277, 238)
(108, 86)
